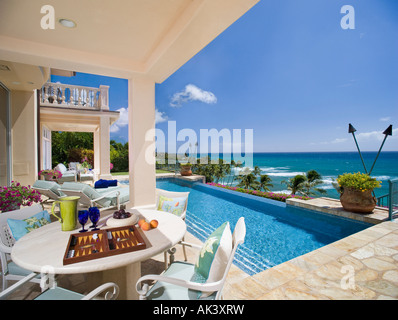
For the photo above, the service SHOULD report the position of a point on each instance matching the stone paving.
(361, 266)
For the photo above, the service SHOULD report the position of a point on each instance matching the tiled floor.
(362, 266)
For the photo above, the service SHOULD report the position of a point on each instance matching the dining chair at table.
(107, 291)
(203, 280)
(11, 271)
(175, 203)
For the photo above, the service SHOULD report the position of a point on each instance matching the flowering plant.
(358, 181)
(85, 164)
(17, 195)
(51, 173)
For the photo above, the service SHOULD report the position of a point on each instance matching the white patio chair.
(176, 283)
(67, 175)
(173, 194)
(109, 291)
(92, 197)
(10, 271)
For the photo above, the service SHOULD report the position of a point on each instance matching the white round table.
(43, 249)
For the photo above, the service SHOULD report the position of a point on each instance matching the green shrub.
(358, 181)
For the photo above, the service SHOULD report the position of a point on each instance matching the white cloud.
(339, 140)
(385, 119)
(124, 119)
(192, 93)
(160, 116)
(374, 135)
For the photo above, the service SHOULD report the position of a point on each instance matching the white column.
(97, 151)
(142, 173)
(105, 158)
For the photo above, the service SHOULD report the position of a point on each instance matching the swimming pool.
(275, 232)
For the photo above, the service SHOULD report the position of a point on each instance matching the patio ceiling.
(120, 38)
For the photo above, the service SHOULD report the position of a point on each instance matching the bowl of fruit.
(122, 218)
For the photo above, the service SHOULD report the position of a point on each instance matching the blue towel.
(105, 183)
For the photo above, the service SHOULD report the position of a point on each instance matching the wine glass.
(94, 215)
(83, 217)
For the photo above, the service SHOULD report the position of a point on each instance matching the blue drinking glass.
(83, 217)
(94, 215)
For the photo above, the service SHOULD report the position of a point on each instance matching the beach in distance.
(285, 165)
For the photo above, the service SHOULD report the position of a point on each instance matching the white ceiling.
(122, 38)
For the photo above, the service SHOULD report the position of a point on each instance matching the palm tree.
(295, 184)
(265, 182)
(248, 181)
(313, 179)
(256, 171)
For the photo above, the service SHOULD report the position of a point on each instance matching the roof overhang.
(75, 119)
(119, 38)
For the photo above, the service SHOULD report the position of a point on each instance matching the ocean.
(282, 166)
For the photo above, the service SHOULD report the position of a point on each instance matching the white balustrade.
(65, 95)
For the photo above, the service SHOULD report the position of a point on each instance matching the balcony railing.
(65, 95)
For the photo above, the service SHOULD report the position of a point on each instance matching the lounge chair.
(205, 280)
(67, 175)
(105, 199)
(50, 189)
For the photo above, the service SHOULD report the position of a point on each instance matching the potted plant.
(50, 174)
(16, 195)
(356, 192)
(186, 169)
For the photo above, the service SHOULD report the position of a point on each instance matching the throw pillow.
(213, 258)
(19, 228)
(61, 168)
(173, 205)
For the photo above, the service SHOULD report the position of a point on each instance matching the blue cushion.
(19, 228)
(101, 184)
(166, 291)
(105, 183)
(59, 294)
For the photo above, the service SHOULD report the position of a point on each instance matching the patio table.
(43, 249)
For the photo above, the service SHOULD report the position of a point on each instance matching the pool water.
(275, 233)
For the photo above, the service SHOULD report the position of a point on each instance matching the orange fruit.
(154, 223)
(145, 226)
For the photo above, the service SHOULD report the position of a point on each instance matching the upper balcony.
(73, 96)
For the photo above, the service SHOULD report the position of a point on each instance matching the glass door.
(5, 137)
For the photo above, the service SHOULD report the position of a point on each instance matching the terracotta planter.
(186, 171)
(354, 200)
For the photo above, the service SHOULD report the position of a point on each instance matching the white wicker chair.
(10, 271)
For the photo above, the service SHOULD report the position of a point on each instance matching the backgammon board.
(102, 243)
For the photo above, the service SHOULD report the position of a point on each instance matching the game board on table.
(102, 243)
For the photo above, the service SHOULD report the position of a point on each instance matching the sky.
(290, 71)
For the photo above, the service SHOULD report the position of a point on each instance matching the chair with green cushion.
(11, 271)
(203, 280)
(107, 291)
(92, 197)
(50, 189)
